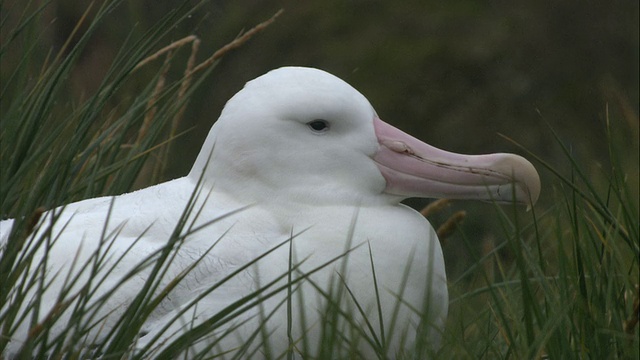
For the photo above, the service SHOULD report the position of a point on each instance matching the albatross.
(286, 238)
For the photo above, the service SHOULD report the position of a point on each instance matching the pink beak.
(413, 168)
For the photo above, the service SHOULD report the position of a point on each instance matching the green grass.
(571, 288)
(560, 281)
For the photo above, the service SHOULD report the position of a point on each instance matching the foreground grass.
(569, 289)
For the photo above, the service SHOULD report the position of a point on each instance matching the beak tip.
(525, 173)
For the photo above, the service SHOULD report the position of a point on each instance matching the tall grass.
(55, 149)
(569, 290)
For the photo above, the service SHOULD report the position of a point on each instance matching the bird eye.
(319, 125)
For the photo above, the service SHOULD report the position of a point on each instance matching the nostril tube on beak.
(398, 146)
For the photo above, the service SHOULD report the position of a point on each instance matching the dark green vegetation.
(78, 120)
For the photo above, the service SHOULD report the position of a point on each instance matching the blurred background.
(454, 74)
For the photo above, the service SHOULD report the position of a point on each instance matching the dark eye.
(319, 125)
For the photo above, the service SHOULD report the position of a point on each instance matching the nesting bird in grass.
(287, 236)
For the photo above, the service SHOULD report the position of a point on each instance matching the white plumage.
(296, 155)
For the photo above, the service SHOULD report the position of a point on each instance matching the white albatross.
(298, 163)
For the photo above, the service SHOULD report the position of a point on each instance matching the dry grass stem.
(151, 104)
(188, 72)
(174, 45)
(34, 219)
(435, 207)
(236, 43)
(184, 86)
(449, 227)
(630, 324)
